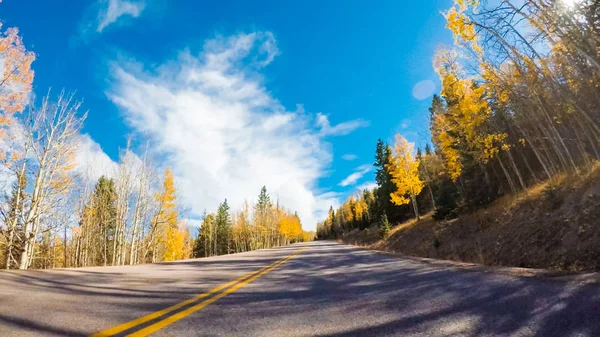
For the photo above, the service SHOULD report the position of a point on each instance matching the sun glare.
(570, 3)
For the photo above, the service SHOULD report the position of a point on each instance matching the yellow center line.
(128, 325)
(184, 313)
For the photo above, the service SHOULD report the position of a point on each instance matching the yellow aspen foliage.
(462, 28)
(360, 208)
(464, 123)
(166, 219)
(176, 243)
(330, 217)
(349, 208)
(447, 144)
(405, 172)
(290, 227)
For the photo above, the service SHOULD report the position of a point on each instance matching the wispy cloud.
(113, 10)
(349, 157)
(217, 126)
(369, 185)
(104, 13)
(358, 173)
(341, 129)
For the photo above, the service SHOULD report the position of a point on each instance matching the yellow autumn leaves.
(174, 236)
(289, 225)
(404, 169)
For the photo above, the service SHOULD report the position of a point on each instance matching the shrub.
(384, 227)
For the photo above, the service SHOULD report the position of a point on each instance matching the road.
(311, 289)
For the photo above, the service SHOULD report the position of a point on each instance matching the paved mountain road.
(327, 289)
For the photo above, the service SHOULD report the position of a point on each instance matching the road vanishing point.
(319, 288)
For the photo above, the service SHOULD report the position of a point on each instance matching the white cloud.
(193, 224)
(269, 47)
(423, 89)
(112, 10)
(359, 172)
(220, 130)
(91, 160)
(369, 185)
(341, 129)
(349, 157)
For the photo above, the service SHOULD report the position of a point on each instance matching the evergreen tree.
(103, 208)
(264, 202)
(205, 242)
(223, 228)
(427, 149)
(331, 220)
(383, 178)
(447, 202)
(384, 226)
(367, 216)
(199, 249)
(264, 219)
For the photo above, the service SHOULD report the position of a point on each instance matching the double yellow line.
(228, 288)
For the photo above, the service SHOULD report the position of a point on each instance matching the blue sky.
(236, 94)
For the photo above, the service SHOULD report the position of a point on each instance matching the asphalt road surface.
(312, 289)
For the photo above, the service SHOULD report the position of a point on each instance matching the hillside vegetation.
(551, 225)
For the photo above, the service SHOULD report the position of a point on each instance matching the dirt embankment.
(553, 226)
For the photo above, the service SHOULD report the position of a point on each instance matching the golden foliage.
(172, 236)
(405, 172)
(464, 124)
(177, 243)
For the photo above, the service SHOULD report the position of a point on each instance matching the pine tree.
(427, 149)
(204, 245)
(103, 208)
(368, 216)
(331, 222)
(384, 227)
(383, 178)
(223, 228)
(264, 218)
(264, 202)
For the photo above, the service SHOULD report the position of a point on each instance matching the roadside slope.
(553, 226)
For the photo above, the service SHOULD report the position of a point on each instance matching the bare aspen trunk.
(65, 248)
(78, 252)
(415, 207)
(507, 175)
(9, 244)
(431, 196)
(516, 169)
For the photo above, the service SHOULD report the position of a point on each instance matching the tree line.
(518, 105)
(265, 226)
